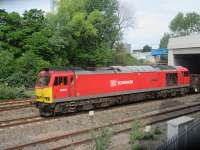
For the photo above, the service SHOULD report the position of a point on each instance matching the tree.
(16, 30)
(86, 27)
(146, 48)
(26, 70)
(6, 59)
(34, 19)
(122, 57)
(80, 33)
(24, 46)
(164, 40)
(126, 16)
(185, 24)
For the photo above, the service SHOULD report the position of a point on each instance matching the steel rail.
(20, 121)
(129, 128)
(180, 110)
(15, 107)
(7, 102)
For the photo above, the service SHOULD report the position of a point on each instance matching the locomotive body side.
(63, 89)
(97, 84)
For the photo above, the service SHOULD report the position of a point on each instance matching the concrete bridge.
(185, 51)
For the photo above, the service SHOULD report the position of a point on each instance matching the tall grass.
(103, 139)
(7, 92)
(136, 135)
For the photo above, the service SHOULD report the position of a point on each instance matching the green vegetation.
(185, 24)
(137, 135)
(157, 131)
(7, 92)
(137, 146)
(81, 33)
(146, 48)
(148, 136)
(181, 25)
(103, 140)
(137, 131)
(122, 57)
(164, 40)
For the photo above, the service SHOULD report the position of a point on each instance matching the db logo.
(63, 90)
(113, 83)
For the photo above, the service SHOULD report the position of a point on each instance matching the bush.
(136, 146)
(7, 92)
(136, 131)
(103, 140)
(149, 136)
(157, 131)
(136, 135)
(19, 79)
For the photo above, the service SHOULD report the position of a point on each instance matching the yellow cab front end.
(44, 94)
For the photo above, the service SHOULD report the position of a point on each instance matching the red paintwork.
(95, 84)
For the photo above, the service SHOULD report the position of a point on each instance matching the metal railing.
(188, 139)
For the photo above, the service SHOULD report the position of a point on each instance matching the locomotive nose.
(44, 95)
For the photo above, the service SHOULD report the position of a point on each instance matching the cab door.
(186, 77)
(60, 87)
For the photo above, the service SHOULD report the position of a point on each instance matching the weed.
(157, 131)
(103, 140)
(149, 136)
(136, 131)
(136, 146)
(7, 92)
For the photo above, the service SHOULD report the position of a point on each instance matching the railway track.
(83, 136)
(7, 102)
(20, 121)
(33, 119)
(15, 104)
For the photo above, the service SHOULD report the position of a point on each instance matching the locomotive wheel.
(45, 113)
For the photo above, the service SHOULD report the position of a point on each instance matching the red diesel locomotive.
(70, 90)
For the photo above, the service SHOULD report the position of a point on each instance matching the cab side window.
(186, 74)
(56, 81)
(60, 81)
(65, 80)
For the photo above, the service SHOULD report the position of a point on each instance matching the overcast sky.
(152, 17)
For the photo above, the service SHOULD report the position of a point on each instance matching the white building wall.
(184, 42)
(183, 46)
(170, 58)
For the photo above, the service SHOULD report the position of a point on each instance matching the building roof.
(192, 41)
(180, 121)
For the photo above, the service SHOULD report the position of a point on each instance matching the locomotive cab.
(52, 87)
(43, 90)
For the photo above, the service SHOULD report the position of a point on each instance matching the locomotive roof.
(125, 69)
(115, 69)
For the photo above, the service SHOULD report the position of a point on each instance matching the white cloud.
(148, 27)
(153, 18)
